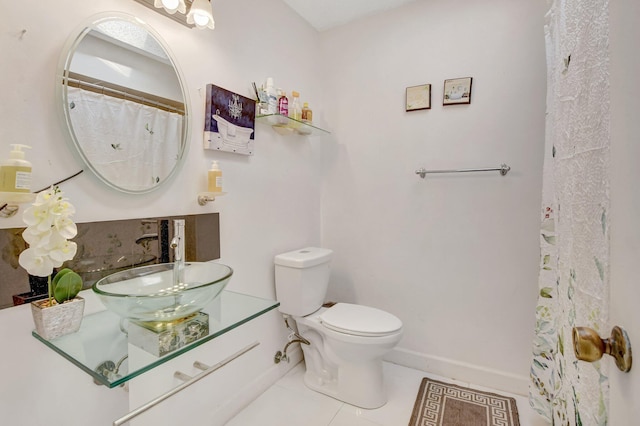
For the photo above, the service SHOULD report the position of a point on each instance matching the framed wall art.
(457, 91)
(418, 97)
(229, 121)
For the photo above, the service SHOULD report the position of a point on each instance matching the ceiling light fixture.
(200, 13)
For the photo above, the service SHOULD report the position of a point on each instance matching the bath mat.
(444, 404)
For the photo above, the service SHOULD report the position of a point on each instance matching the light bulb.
(200, 19)
(170, 4)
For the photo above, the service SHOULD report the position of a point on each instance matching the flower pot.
(59, 319)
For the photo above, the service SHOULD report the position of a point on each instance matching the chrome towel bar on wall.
(503, 169)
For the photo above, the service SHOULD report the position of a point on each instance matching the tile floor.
(289, 403)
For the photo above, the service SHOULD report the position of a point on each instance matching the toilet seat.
(358, 320)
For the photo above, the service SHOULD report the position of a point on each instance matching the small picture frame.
(457, 91)
(418, 97)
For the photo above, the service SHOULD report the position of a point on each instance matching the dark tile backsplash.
(107, 247)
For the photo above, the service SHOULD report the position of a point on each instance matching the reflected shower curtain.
(131, 145)
(574, 241)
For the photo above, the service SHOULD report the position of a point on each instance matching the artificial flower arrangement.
(49, 229)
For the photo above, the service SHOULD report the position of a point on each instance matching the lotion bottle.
(295, 111)
(307, 114)
(283, 103)
(272, 99)
(15, 172)
(215, 178)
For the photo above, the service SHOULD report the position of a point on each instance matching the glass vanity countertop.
(100, 338)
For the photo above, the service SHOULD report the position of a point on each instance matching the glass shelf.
(101, 341)
(285, 125)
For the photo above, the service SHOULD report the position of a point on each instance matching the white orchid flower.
(49, 227)
(38, 216)
(62, 206)
(63, 252)
(36, 262)
(54, 241)
(36, 238)
(43, 197)
(65, 227)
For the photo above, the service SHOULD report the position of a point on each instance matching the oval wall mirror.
(123, 100)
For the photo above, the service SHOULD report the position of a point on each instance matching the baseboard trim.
(461, 371)
(257, 387)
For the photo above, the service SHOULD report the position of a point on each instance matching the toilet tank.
(302, 277)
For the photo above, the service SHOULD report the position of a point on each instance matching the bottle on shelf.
(295, 111)
(307, 114)
(272, 100)
(283, 103)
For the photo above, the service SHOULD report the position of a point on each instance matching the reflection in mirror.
(124, 103)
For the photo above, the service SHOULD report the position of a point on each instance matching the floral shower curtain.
(133, 146)
(574, 241)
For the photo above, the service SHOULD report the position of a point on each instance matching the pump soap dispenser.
(15, 176)
(214, 185)
(215, 178)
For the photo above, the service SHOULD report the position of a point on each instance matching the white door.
(624, 407)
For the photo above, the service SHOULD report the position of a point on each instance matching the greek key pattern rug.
(444, 404)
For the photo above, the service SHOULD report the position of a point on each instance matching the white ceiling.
(325, 14)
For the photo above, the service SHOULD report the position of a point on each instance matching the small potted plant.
(49, 229)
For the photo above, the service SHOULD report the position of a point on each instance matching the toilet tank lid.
(304, 258)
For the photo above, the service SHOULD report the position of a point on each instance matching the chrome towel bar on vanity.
(503, 169)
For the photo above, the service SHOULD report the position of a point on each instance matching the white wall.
(625, 202)
(454, 256)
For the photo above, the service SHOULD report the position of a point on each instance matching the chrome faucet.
(177, 244)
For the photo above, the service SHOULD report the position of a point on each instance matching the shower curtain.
(131, 145)
(574, 240)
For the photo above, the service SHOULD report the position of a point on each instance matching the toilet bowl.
(347, 341)
(346, 364)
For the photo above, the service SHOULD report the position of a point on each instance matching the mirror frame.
(62, 74)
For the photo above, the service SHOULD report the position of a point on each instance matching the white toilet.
(347, 342)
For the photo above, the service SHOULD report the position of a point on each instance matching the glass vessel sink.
(162, 292)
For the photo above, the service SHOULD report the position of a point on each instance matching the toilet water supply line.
(294, 337)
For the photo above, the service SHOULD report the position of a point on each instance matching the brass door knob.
(588, 346)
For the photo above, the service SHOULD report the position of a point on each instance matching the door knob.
(588, 346)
